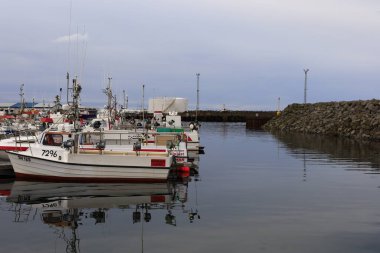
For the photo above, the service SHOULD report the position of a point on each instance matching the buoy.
(183, 174)
(183, 169)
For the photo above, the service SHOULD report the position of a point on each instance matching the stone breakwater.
(354, 119)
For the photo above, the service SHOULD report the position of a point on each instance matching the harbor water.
(255, 191)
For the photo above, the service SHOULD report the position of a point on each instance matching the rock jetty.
(355, 119)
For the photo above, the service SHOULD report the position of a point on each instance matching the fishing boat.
(24, 138)
(58, 156)
(159, 132)
(21, 142)
(127, 140)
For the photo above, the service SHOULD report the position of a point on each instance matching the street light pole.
(196, 111)
(304, 95)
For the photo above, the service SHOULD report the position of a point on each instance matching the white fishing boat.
(58, 156)
(126, 140)
(160, 132)
(15, 143)
(24, 139)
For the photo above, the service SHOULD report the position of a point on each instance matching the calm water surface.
(255, 192)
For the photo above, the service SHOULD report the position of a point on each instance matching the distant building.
(14, 108)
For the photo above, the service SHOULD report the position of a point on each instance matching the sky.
(250, 54)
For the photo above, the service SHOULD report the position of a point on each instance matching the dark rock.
(355, 119)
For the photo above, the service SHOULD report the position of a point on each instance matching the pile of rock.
(355, 119)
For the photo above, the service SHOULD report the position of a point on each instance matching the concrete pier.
(253, 119)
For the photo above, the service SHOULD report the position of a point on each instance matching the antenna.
(123, 99)
(68, 49)
(84, 51)
(142, 104)
(196, 112)
(60, 94)
(77, 54)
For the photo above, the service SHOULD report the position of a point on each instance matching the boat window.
(90, 139)
(53, 140)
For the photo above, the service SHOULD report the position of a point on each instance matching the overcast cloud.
(248, 53)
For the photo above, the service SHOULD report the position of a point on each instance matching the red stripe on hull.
(13, 148)
(157, 199)
(28, 177)
(142, 150)
(5, 193)
(153, 150)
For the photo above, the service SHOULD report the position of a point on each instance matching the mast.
(68, 87)
(108, 92)
(142, 104)
(22, 101)
(76, 97)
(123, 99)
(109, 95)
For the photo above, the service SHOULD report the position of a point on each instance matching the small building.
(14, 108)
(6, 108)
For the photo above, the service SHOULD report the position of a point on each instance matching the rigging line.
(68, 51)
(84, 52)
(77, 54)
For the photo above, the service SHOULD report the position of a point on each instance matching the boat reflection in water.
(64, 206)
(6, 169)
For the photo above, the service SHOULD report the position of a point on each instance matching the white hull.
(99, 170)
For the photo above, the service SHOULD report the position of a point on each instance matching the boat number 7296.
(51, 153)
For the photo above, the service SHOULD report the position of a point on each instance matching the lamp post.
(304, 95)
(196, 111)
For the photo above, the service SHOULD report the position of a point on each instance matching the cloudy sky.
(248, 52)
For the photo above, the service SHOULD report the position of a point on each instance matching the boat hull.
(33, 168)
